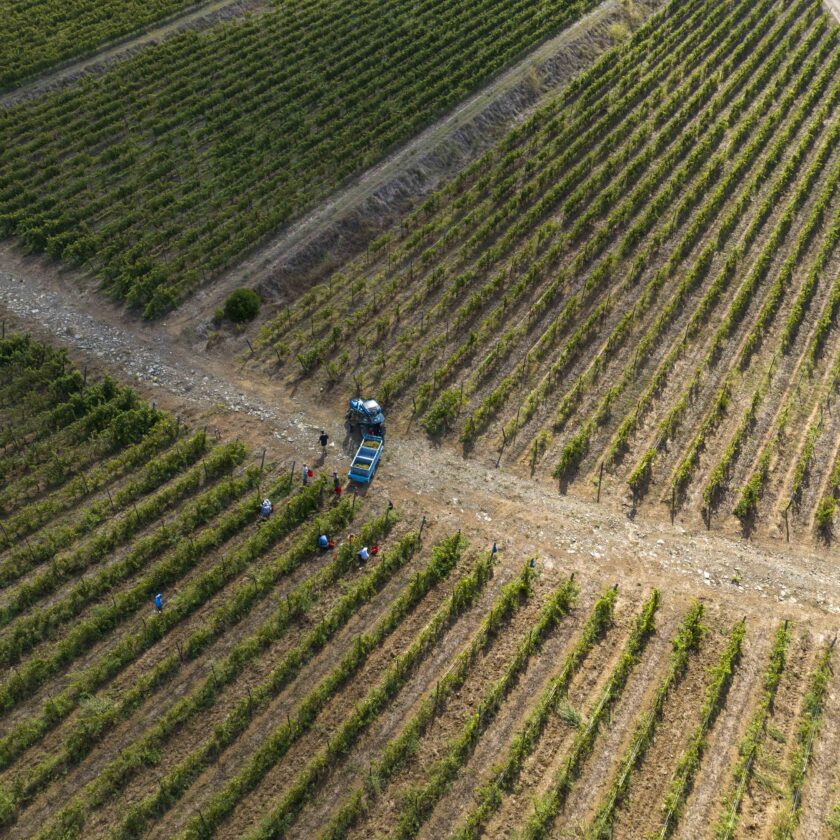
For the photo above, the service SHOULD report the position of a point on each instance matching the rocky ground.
(523, 516)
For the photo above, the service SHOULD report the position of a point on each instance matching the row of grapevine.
(165, 170)
(551, 304)
(36, 36)
(155, 509)
(277, 670)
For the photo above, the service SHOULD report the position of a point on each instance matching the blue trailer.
(366, 459)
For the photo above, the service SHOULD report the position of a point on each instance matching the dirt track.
(523, 516)
(766, 582)
(198, 16)
(342, 225)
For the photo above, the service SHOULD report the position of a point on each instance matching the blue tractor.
(366, 416)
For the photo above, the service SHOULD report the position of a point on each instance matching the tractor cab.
(367, 416)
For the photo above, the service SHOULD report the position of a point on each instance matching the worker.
(159, 602)
(325, 543)
(364, 554)
(336, 485)
(266, 508)
(322, 439)
(307, 474)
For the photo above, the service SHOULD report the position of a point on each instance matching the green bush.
(242, 305)
(443, 413)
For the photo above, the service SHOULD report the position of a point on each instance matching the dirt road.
(524, 517)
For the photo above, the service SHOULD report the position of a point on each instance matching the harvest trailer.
(366, 459)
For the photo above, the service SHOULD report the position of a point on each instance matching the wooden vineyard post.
(600, 479)
(673, 503)
(504, 444)
(422, 526)
(262, 460)
(250, 346)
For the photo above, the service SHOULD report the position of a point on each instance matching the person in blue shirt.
(325, 542)
(159, 602)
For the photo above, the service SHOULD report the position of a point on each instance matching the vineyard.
(636, 293)
(608, 350)
(37, 35)
(164, 171)
(284, 691)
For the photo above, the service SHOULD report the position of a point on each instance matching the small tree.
(242, 305)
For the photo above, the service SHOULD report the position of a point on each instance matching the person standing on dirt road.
(323, 439)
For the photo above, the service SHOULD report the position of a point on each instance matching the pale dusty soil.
(819, 795)
(640, 813)
(721, 753)
(602, 764)
(763, 795)
(766, 581)
(421, 478)
(491, 747)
